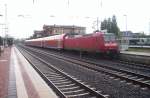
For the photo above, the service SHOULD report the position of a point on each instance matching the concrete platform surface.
(136, 53)
(137, 57)
(4, 72)
(18, 79)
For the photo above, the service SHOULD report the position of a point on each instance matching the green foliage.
(110, 25)
(1, 40)
(10, 41)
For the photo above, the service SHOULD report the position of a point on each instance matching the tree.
(115, 28)
(104, 24)
(110, 25)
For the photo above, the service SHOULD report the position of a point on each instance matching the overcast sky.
(73, 13)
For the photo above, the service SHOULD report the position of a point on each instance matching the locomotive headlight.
(110, 44)
(107, 44)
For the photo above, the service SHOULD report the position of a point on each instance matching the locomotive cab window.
(109, 37)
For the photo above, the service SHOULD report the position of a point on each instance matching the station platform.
(18, 79)
(136, 53)
(137, 57)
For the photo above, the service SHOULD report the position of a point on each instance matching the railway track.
(134, 64)
(64, 85)
(135, 78)
(117, 62)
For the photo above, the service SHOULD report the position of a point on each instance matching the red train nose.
(111, 46)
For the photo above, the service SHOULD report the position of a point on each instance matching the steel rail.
(139, 80)
(92, 92)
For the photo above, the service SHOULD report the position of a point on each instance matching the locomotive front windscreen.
(109, 37)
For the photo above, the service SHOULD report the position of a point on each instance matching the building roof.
(62, 26)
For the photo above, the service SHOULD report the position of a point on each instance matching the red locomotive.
(95, 42)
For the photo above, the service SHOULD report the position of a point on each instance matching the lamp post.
(126, 24)
(126, 34)
(6, 28)
(2, 24)
(149, 28)
(1, 40)
(99, 21)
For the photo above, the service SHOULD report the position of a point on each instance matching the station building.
(49, 30)
(61, 29)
